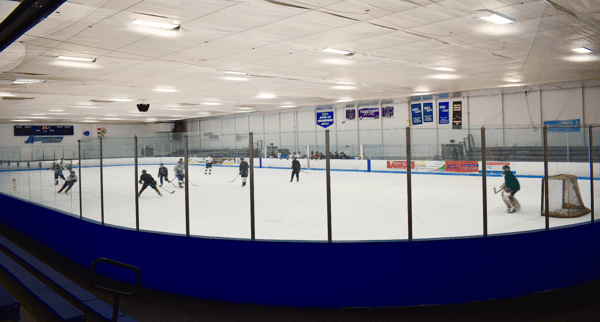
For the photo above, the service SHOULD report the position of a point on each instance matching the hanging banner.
(325, 119)
(417, 114)
(563, 126)
(444, 113)
(457, 115)
(427, 112)
(368, 113)
(350, 114)
(388, 112)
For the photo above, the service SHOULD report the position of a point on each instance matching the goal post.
(564, 197)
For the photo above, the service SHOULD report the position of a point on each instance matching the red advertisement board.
(462, 166)
(399, 164)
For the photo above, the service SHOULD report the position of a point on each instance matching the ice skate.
(67, 192)
(512, 209)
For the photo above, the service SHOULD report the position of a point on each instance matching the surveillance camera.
(143, 107)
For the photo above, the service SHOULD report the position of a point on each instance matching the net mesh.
(564, 197)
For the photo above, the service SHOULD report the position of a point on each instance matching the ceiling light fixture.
(338, 51)
(211, 103)
(265, 95)
(6, 94)
(38, 114)
(246, 108)
(344, 100)
(20, 120)
(343, 87)
(498, 19)
(166, 89)
(79, 59)
(239, 79)
(288, 106)
(156, 24)
(582, 50)
(345, 83)
(232, 72)
(444, 69)
(57, 110)
(27, 81)
(119, 99)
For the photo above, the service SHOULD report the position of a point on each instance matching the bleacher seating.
(86, 298)
(10, 309)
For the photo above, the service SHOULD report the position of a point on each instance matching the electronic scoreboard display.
(43, 130)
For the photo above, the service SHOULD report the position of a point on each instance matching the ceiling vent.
(15, 98)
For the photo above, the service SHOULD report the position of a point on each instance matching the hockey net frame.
(568, 208)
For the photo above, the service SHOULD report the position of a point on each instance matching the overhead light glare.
(166, 89)
(344, 83)
(288, 106)
(27, 81)
(265, 95)
(445, 69)
(233, 72)
(498, 19)
(239, 79)
(20, 120)
(57, 110)
(79, 59)
(343, 87)
(38, 114)
(38, 117)
(344, 100)
(119, 99)
(211, 103)
(582, 50)
(156, 24)
(246, 108)
(338, 51)
(6, 94)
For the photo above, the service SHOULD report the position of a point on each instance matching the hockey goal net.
(564, 197)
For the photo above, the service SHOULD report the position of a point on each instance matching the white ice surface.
(365, 206)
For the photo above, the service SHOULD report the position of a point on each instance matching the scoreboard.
(43, 130)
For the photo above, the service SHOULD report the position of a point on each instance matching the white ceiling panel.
(394, 47)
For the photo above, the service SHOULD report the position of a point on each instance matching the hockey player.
(209, 162)
(510, 186)
(58, 171)
(163, 172)
(295, 170)
(179, 172)
(148, 181)
(243, 171)
(69, 182)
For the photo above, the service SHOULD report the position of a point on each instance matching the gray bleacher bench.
(10, 309)
(86, 298)
(63, 309)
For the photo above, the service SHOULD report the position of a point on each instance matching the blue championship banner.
(325, 119)
(444, 113)
(427, 112)
(417, 114)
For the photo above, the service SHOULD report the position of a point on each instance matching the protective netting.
(564, 198)
(575, 20)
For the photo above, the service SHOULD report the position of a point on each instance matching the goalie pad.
(510, 200)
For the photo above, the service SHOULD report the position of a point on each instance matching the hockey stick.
(496, 192)
(171, 192)
(195, 185)
(304, 171)
(234, 179)
(171, 182)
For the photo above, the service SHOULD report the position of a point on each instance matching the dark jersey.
(244, 168)
(163, 172)
(147, 179)
(296, 165)
(511, 182)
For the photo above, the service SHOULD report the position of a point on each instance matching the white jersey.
(209, 160)
(72, 178)
(179, 169)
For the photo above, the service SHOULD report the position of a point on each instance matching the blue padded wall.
(318, 274)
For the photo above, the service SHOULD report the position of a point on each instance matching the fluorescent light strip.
(337, 51)
(498, 19)
(232, 72)
(81, 59)
(288, 106)
(156, 24)
(211, 103)
(20, 120)
(445, 69)
(6, 94)
(27, 81)
(266, 95)
(345, 83)
(582, 50)
(119, 99)
(246, 108)
(57, 110)
(166, 89)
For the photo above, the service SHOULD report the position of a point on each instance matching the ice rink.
(365, 205)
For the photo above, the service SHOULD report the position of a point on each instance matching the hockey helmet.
(72, 172)
(143, 171)
(162, 164)
(241, 159)
(505, 169)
